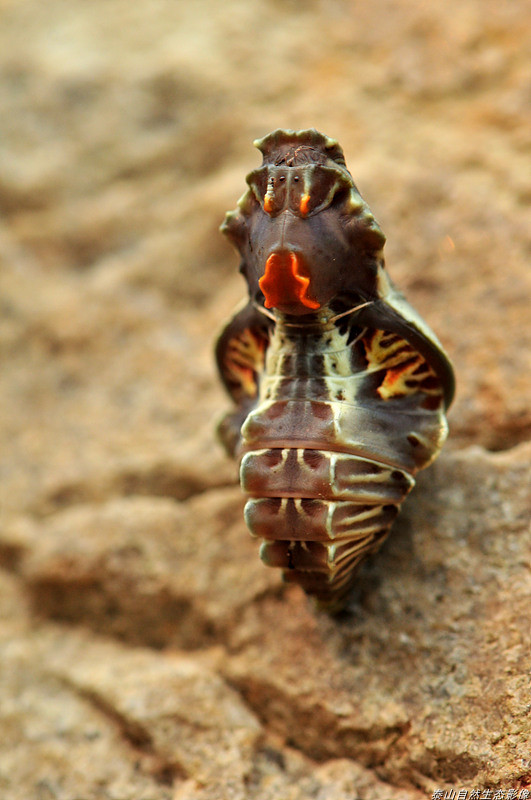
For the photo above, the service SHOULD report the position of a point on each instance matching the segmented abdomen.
(328, 457)
(320, 513)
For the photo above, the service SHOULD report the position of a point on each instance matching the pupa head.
(304, 232)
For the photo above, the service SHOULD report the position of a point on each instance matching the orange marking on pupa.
(304, 204)
(282, 282)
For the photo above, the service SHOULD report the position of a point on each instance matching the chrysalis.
(340, 388)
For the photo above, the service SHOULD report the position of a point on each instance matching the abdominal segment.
(320, 513)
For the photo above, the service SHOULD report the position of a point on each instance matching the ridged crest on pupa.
(309, 147)
(314, 150)
(295, 148)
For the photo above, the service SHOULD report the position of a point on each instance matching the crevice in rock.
(505, 435)
(313, 730)
(152, 762)
(509, 438)
(446, 766)
(274, 756)
(321, 737)
(112, 609)
(163, 619)
(154, 483)
(11, 555)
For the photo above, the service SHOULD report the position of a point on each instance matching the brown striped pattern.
(328, 457)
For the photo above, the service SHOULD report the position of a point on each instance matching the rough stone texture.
(146, 654)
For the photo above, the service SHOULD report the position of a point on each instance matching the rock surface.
(146, 653)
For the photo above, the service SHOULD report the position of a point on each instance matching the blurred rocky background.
(145, 652)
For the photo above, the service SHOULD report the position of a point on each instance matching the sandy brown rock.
(175, 665)
(135, 722)
(58, 743)
(423, 680)
(144, 569)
